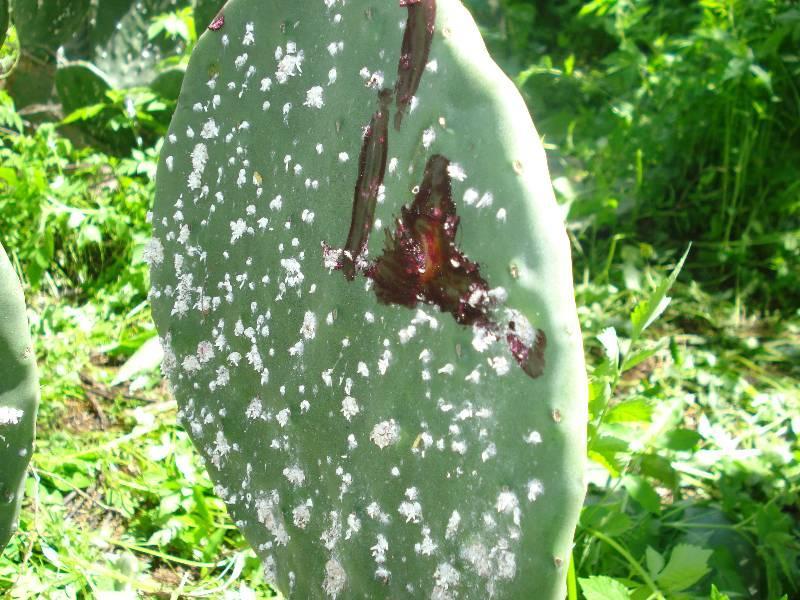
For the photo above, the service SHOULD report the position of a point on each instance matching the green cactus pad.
(363, 286)
(102, 43)
(19, 397)
(80, 84)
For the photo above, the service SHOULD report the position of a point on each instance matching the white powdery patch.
(10, 415)
(380, 548)
(427, 546)
(344, 157)
(383, 362)
(314, 97)
(471, 196)
(199, 160)
(350, 407)
(452, 525)
(456, 171)
(446, 579)
(205, 351)
(295, 475)
(309, 327)
(210, 130)
(190, 364)
(269, 514)
(482, 338)
(502, 215)
(533, 438)
(301, 515)
(283, 417)
(255, 409)
(485, 201)
(238, 229)
(500, 364)
(353, 526)
(385, 433)
(153, 252)
(335, 578)
(535, 489)
(220, 450)
(428, 136)
(507, 502)
(294, 275)
(289, 64)
(411, 511)
(248, 39)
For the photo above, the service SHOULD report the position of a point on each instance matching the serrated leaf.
(717, 595)
(648, 310)
(608, 338)
(600, 587)
(682, 439)
(637, 410)
(641, 491)
(687, 565)
(655, 561)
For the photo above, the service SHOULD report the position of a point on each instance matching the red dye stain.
(421, 262)
(414, 52)
(217, 23)
(371, 171)
(529, 357)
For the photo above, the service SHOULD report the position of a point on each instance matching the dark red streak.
(217, 23)
(530, 358)
(421, 262)
(414, 52)
(371, 171)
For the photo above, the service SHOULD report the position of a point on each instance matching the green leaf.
(687, 565)
(650, 309)
(599, 587)
(641, 491)
(682, 439)
(655, 561)
(717, 595)
(637, 410)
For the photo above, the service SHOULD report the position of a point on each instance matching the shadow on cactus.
(19, 397)
(416, 423)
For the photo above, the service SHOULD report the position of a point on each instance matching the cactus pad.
(363, 286)
(18, 397)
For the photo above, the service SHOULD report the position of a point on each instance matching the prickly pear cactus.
(102, 45)
(19, 397)
(363, 287)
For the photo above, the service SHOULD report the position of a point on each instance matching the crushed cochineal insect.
(371, 171)
(217, 23)
(414, 52)
(421, 262)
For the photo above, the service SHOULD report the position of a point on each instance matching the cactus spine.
(363, 286)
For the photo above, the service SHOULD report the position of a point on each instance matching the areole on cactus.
(363, 286)
(19, 397)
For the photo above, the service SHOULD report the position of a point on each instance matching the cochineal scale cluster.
(363, 286)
